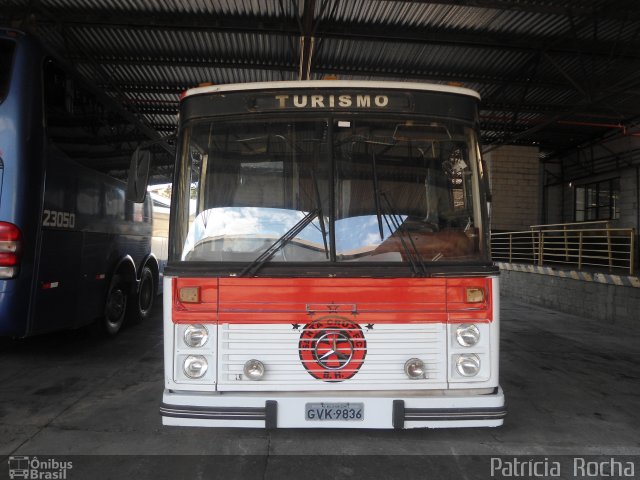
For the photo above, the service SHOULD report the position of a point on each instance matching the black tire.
(142, 302)
(115, 307)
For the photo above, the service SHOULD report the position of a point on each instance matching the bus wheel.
(115, 306)
(140, 307)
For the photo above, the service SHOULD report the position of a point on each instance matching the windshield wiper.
(413, 254)
(289, 235)
(394, 223)
(320, 215)
(376, 194)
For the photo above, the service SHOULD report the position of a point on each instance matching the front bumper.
(279, 410)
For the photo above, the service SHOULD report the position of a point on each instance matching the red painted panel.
(304, 299)
(204, 312)
(457, 299)
(301, 300)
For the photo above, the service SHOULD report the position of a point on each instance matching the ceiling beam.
(334, 29)
(152, 88)
(615, 89)
(164, 61)
(622, 11)
(260, 64)
(154, 109)
(603, 112)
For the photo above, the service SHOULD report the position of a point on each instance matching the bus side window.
(114, 202)
(55, 93)
(88, 199)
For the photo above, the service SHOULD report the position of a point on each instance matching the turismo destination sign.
(331, 101)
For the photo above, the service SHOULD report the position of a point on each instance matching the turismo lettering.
(332, 101)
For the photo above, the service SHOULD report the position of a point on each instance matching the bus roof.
(320, 84)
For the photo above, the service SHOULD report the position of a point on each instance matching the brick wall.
(516, 185)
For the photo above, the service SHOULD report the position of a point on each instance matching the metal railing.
(583, 245)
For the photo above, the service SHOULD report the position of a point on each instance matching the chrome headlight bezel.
(254, 369)
(468, 365)
(415, 369)
(194, 361)
(195, 336)
(467, 334)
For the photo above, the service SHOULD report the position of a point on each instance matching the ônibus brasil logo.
(332, 348)
(33, 468)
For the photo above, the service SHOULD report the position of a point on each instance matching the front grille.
(388, 347)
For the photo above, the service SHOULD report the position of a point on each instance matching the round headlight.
(195, 366)
(467, 334)
(414, 368)
(468, 365)
(254, 369)
(196, 335)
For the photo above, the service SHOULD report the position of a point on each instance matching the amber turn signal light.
(189, 295)
(475, 295)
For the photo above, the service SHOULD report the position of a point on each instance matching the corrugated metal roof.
(533, 61)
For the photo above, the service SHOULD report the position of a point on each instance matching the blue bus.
(73, 248)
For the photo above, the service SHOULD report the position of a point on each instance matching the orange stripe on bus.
(300, 300)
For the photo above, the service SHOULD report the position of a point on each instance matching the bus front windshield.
(348, 189)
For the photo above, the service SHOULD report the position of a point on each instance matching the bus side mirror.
(138, 175)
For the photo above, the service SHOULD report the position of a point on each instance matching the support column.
(516, 186)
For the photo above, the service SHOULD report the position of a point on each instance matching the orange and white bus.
(329, 263)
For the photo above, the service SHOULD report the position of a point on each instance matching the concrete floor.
(572, 388)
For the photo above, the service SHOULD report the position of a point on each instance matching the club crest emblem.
(332, 349)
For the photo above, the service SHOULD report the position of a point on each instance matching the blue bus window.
(6, 59)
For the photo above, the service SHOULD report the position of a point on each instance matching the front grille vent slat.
(388, 347)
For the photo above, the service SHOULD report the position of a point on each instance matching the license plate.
(334, 411)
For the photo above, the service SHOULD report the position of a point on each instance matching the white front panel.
(388, 347)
